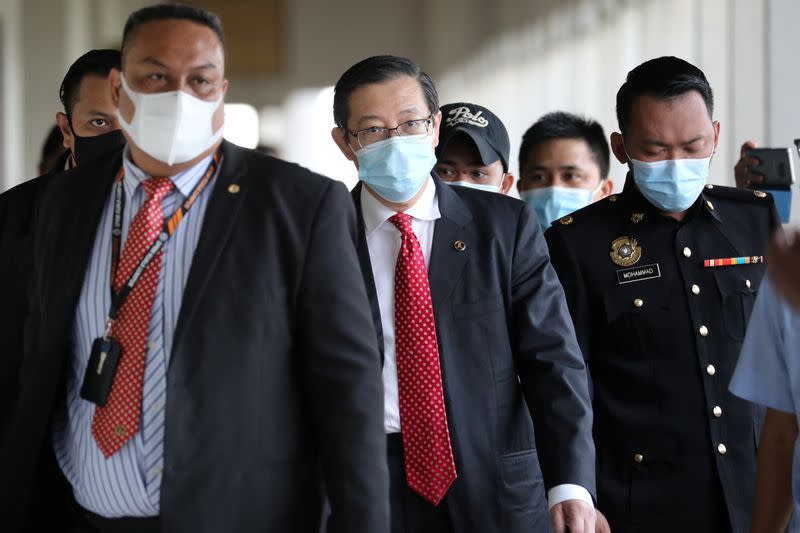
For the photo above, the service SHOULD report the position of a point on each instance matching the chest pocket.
(738, 286)
(636, 313)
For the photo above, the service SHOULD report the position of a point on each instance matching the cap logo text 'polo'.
(463, 115)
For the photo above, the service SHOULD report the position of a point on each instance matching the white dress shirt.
(383, 243)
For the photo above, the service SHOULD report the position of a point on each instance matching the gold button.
(710, 205)
(760, 194)
(722, 449)
(703, 331)
(687, 252)
(460, 246)
(709, 186)
(695, 289)
(638, 302)
(710, 370)
(612, 198)
(717, 411)
(233, 188)
(747, 283)
(638, 457)
(566, 221)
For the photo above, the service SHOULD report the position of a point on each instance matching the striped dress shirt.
(129, 482)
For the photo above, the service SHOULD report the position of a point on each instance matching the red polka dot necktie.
(114, 424)
(430, 468)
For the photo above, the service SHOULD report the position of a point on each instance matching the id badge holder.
(101, 369)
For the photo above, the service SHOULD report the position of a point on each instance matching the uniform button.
(710, 370)
(638, 457)
(747, 283)
(717, 411)
(710, 205)
(638, 302)
(703, 331)
(695, 289)
(722, 449)
(687, 252)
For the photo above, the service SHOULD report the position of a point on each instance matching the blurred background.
(520, 58)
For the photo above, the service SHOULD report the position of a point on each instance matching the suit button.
(687, 252)
(638, 302)
(703, 331)
(638, 457)
(710, 370)
(717, 411)
(695, 290)
(722, 449)
(747, 283)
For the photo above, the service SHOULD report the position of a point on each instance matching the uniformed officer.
(660, 281)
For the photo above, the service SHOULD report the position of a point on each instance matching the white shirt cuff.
(567, 491)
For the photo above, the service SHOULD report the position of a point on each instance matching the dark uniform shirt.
(661, 334)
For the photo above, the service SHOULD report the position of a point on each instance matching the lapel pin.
(233, 188)
(459, 246)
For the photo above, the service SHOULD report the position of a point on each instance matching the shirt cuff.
(567, 491)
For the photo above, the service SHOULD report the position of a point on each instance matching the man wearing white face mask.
(477, 344)
(660, 281)
(564, 165)
(473, 149)
(200, 355)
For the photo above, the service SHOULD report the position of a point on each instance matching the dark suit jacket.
(505, 339)
(662, 338)
(274, 383)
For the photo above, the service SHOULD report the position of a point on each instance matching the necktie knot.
(403, 223)
(157, 188)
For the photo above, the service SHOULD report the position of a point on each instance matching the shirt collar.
(184, 181)
(375, 213)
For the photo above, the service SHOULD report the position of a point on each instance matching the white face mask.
(172, 127)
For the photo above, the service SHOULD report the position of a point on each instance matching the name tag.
(639, 273)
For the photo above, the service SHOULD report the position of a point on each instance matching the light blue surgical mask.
(397, 167)
(476, 186)
(671, 185)
(553, 203)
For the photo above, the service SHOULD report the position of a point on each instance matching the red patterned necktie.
(114, 424)
(430, 468)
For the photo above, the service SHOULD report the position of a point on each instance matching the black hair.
(93, 62)
(379, 69)
(561, 125)
(664, 78)
(170, 11)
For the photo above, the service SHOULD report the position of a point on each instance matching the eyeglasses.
(367, 136)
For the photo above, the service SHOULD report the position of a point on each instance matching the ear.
(618, 147)
(224, 87)
(115, 85)
(508, 181)
(716, 134)
(339, 136)
(437, 121)
(66, 131)
(605, 189)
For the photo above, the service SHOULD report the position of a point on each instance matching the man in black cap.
(473, 149)
(660, 281)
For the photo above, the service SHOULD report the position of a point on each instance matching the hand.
(783, 264)
(602, 523)
(742, 169)
(573, 514)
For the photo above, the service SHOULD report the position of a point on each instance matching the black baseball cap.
(479, 124)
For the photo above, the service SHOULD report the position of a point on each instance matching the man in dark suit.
(660, 281)
(478, 348)
(87, 125)
(238, 373)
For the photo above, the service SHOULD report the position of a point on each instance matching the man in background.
(563, 165)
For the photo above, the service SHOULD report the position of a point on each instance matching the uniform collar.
(375, 213)
(638, 205)
(184, 181)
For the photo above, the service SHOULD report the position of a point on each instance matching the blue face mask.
(553, 203)
(476, 186)
(396, 168)
(672, 185)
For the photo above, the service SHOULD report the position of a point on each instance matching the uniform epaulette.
(753, 196)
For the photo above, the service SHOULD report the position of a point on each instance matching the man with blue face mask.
(475, 337)
(564, 165)
(660, 281)
(473, 149)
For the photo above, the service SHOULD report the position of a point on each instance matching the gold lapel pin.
(233, 188)
(459, 246)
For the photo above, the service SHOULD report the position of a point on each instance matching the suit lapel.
(220, 218)
(366, 267)
(451, 245)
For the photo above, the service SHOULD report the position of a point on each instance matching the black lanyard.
(168, 228)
